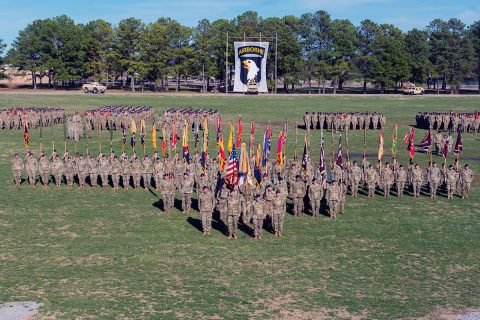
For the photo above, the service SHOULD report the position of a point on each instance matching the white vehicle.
(413, 91)
(94, 87)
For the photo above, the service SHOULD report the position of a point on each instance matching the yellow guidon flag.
(154, 137)
(380, 146)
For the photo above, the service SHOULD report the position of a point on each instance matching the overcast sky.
(16, 14)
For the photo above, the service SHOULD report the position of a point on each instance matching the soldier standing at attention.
(451, 179)
(356, 177)
(186, 189)
(158, 172)
(371, 179)
(31, 168)
(125, 171)
(147, 172)
(69, 171)
(417, 179)
(17, 169)
(246, 201)
(104, 168)
(136, 172)
(222, 200)
(401, 178)
(206, 205)
(315, 195)
(115, 171)
(333, 199)
(258, 216)
(92, 164)
(278, 213)
(298, 192)
(58, 169)
(268, 206)
(435, 176)
(44, 169)
(466, 178)
(388, 179)
(82, 170)
(168, 193)
(233, 213)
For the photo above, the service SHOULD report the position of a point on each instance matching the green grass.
(114, 254)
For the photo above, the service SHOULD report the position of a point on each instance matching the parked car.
(94, 87)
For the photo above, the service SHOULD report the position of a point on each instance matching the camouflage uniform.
(233, 206)
(125, 172)
(92, 164)
(115, 171)
(278, 213)
(137, 170)
(387, 180)
(147, 172)
(315, 195)
(17, 169)
(44, 169)
(158, 173)
(168, 193)
(246, 200)
(371, 180)
(401, 178)
(466, 178)
(355, 179)
(69, 171)
(206, 205)
(451, 179)
(417, 179)
(58, 169)
(82, 170)
(258, 217)
(186, 189)
(104, 168)
(434, 178)
(298, 193)
(333, 196)
(222, 202)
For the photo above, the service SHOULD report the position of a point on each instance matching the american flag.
(232, 168)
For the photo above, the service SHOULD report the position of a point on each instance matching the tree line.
(311, 48)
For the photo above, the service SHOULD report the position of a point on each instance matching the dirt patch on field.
(323, 313)
(447, 314)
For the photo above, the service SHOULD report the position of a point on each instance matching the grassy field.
(114, 254)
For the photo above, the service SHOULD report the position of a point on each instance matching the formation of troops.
(256, 202)
(179, 116)
(15, 118)
(449, 121)
(116, 116)
(341, 121)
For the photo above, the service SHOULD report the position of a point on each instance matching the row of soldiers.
(116, 116)
(341, 121)
(468, 121)
(256, 202)
(179, 116)
(14, 118)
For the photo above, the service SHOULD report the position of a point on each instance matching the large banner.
(250, 65)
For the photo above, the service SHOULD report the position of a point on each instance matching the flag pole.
(296, 141)
(346, 141)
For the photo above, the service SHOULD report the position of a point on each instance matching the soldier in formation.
(338, 121)
(449, 121)
(115, 117)
(15, 118)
